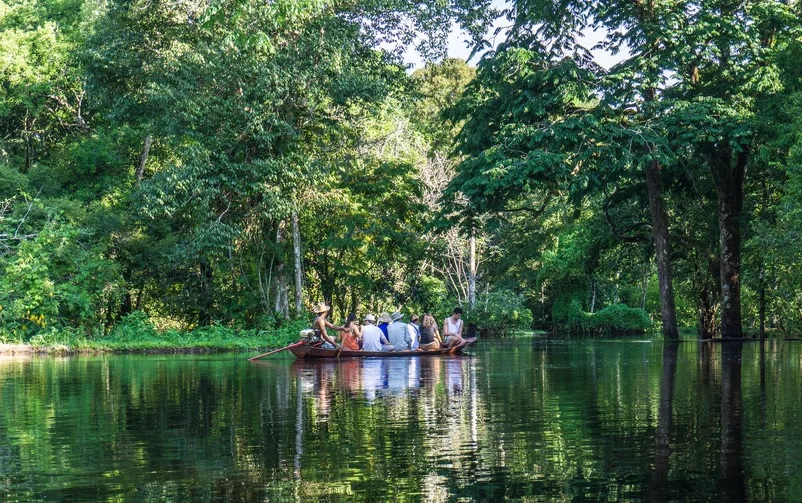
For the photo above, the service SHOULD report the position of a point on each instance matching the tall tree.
(687, 88)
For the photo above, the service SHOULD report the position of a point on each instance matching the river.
(523, 419)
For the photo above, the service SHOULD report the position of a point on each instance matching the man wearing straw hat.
(384, 322)
(321, 324)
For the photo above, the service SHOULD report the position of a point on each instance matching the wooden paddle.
(277, 350)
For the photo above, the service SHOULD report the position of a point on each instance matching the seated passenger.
(321, 324)
(351, 334)
(372, 338)
(384, 322)
(452, 328)
(399, 333)
(414, 326)
(429, 336)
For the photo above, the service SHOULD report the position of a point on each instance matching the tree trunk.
(143, 158)
(661, 249)
(762, 302)
(139, 295)
(296, 250)
(706, 311)
(127, 305)
(206, 293)
(354, 302)
(644, 289)
(472, 271)
(729, 181)
(281, 298)
(615, 291)
(327, 281)
(28, 143)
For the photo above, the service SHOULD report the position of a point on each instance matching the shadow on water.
(731, 463)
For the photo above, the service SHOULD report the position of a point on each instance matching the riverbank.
(138, 335)
(92, 348)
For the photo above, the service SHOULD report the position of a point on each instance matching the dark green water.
(526, 420)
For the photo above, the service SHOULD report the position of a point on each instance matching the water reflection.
(521, 420)
(372, 378)
(731, 467)
(657, 488)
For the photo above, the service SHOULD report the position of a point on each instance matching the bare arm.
(322, 324)
(333, 326)
(459, 328)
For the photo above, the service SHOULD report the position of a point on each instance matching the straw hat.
(396, 316)
(321, 307)
(370, 317)
(384, 318)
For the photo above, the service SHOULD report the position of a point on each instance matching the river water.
(524, 419)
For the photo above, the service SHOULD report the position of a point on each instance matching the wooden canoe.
(316, 352)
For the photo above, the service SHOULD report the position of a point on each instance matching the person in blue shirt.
(384, 322)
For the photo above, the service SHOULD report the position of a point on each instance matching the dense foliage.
(671, 165)
(209, 163)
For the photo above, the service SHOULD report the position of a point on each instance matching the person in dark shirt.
(429, 336)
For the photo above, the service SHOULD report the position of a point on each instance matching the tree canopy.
(160, 156)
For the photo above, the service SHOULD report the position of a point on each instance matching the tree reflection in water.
(520, 419)
(731, 467)
(657, 488)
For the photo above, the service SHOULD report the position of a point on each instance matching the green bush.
(136, 331)
(567, 312)
(614, 319)
(54, 278)
(499, 314)
(135, 326)
(621, 318)
(12, 182)
(429, 294)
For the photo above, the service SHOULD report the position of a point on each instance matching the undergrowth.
(136, 332)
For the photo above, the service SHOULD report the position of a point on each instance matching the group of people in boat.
(388, 332)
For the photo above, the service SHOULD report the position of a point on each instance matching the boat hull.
(312, 352)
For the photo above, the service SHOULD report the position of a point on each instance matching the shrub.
(621, 318)
(53, 278)
(499, 314)
(614, 319)
(285, 334)
(136, 325)
(429, 293)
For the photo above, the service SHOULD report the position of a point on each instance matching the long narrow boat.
(306, 351)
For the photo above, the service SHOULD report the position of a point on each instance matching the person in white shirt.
(452, 328)
(414, 326)
(373, 338)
